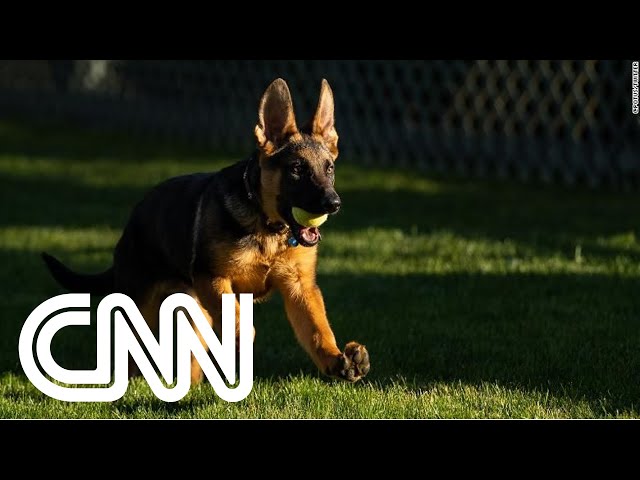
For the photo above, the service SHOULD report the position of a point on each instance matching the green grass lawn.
(474, 298)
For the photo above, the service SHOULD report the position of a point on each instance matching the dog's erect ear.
(276, 121)
(323, 123)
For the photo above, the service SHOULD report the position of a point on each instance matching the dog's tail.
(98, 284)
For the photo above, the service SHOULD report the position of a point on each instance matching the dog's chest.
(251, 262)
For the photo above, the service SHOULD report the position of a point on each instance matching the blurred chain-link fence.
(556, 121)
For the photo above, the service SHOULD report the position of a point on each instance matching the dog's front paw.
(353, 364)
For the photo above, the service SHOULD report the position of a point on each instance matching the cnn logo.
(53, 314)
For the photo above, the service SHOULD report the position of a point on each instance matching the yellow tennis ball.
(307, 219)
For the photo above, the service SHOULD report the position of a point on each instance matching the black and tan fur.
(207, 234)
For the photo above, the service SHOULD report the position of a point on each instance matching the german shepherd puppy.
(233, 231)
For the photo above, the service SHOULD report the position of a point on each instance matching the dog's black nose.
(331, 202)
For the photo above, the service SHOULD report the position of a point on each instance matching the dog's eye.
(330, 169)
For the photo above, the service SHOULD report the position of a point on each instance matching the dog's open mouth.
(305, 236)
(310, 235)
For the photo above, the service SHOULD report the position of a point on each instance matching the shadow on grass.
(572, 335)
(64, 203)
(545, 218)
